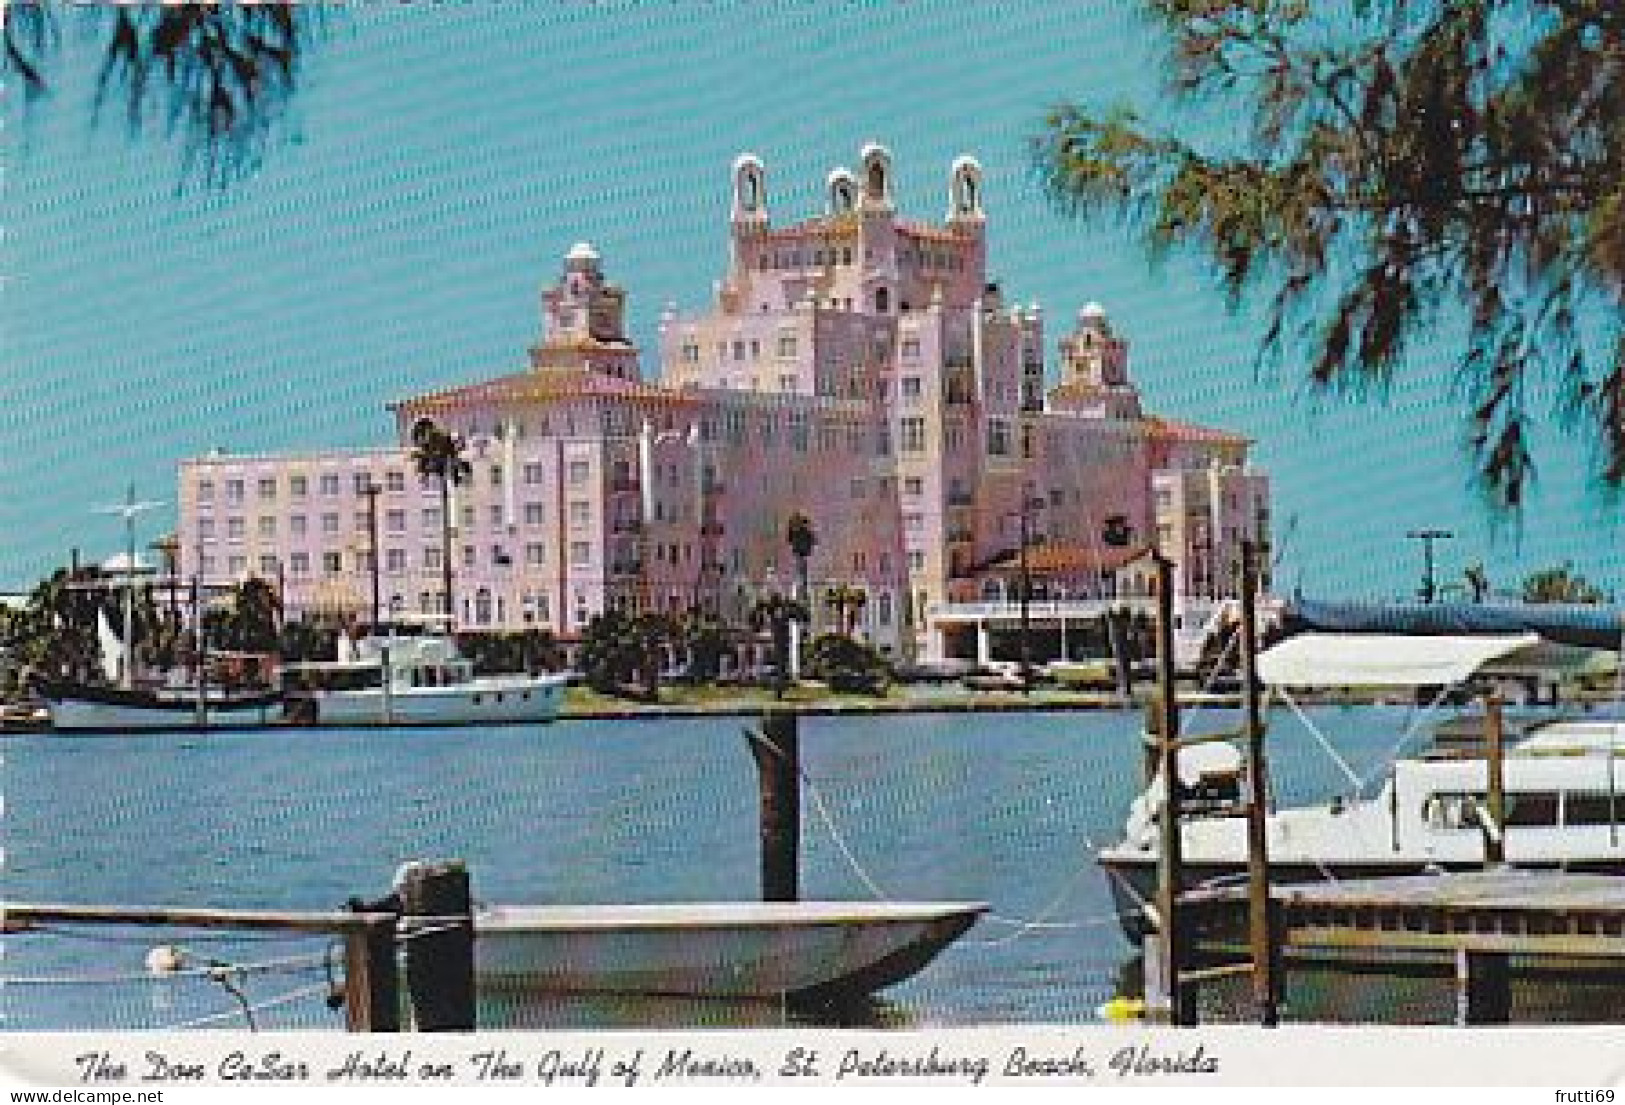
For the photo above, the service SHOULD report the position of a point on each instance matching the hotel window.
(914, 485)
(431, 517)
(299, 564)
(205, 529)
(236, 565)
(363, 480)
(205, 491)
(431, 557)
(787, 345)
(395, 521)
(533, 514)
(916, 560)
(998, 439)
(496, 475)
(394, 481)
(268, 566)
(395, 560)
(330, 483)
(913, 522)
(691, 352)
(580, 471)
(234, 491)
(332, 563)
(580, 554)
(298, 486)
(268, 487)
(910, 388)
(469, 556)
(883, 611)
(267, 527)
(234, 529)
(739, 350)
(535, 554)
(580, 512)
(859, 488)
(913, 435)
(533, 473)
(911, 349)
(496, 516)
(296, 525)
(363, 521)
(755, 350)
(330, 523)
(468, 517)
(206, 566)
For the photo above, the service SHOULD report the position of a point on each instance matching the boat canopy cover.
(1585, 626)
(1382, 660)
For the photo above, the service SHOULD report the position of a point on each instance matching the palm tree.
(802, 539)
(846, 600)
(219, 77)
(438, 455)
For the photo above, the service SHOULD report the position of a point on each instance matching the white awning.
(1382, 660)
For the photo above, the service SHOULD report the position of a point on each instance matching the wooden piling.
(1180, 1008)
(776, 748)
(1261, 927)
(440, 946)
(1483, 987)
(372, 996)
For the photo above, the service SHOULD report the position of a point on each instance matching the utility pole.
(1261, 928)
(1428, 536)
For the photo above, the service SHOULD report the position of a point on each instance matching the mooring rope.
(286, 965)
(1023, 926)
(247, 1011)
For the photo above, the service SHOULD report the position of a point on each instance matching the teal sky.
(442, 158)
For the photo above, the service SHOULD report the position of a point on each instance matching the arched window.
(482, 606)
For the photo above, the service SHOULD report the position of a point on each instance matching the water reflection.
(529, 1010)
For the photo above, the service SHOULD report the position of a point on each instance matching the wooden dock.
(1480, 920)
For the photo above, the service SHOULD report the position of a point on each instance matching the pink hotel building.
(856, 367)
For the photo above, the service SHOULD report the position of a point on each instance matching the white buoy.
(165, 959)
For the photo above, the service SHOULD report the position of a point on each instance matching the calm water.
(1001, 808)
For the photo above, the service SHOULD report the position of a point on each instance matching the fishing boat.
(808, 951)
(1563, 802)
(412, 675)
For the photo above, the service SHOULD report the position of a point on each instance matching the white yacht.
(413, 678)
(1563, 784)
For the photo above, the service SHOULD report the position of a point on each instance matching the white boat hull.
(727, 950)
(87, 715)
(494, 702)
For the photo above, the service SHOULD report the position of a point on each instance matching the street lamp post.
(371, 491)
(1028, 505)
(1428, 537)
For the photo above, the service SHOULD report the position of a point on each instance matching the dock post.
(372, 997)
(1483, 987)
(1262, 931)
(1180, 1008)
(1495, 791)
(440, 951)
(777, 752)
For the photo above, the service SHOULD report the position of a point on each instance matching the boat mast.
(129, 509)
